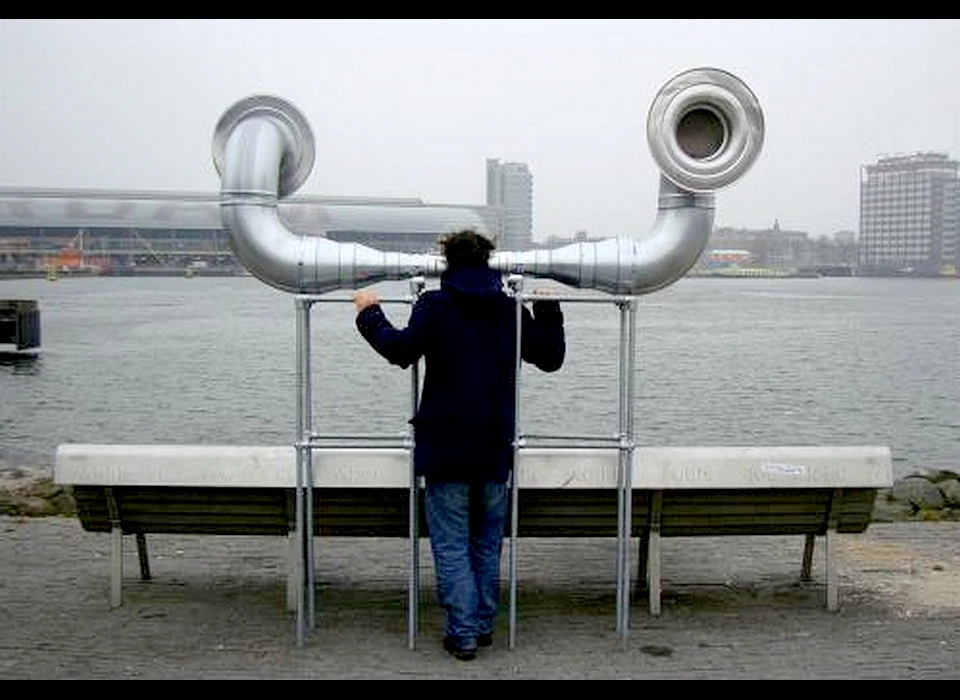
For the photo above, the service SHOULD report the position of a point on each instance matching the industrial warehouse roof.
(48, 208)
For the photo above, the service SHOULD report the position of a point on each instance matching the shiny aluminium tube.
(264, 150)
(705, 129)
(627, 265)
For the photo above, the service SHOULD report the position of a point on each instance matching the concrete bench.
(676, 492)
(809, 491)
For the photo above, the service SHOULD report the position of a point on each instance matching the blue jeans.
(466, 523)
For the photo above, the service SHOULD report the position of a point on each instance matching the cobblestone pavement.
(733, 608)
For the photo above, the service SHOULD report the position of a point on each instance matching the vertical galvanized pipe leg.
(309, 562)
(413, 589)
(300, 625)
(628, 449)
(516, 283)
(413, 584)
(300, 621)
(512, 619)
(621, 430)
(619, 550)
(303, 528)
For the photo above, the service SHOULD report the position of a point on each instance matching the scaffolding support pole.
(306, 595)
(413, 586)
(515, 282)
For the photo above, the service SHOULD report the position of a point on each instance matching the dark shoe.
(460, 653)
(485, 640)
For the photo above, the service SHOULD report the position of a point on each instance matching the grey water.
(829, 361)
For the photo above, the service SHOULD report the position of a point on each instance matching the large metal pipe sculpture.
(704, 129)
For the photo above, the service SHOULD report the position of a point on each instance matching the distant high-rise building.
(510, 185)
(909, 220)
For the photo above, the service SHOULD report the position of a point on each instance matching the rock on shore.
(926, 496)
(30, 493)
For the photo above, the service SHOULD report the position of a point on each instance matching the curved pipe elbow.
(628, 265)
(310, 264)
(263, 244)
(252, 167)
(679, 235)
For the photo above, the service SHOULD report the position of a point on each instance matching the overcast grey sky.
(413, 108)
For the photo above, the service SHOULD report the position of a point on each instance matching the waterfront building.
(510, 186)
(136, 232)
(909, 216)
(772, 247)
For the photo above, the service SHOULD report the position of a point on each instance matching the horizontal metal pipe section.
(382, 445)
(349, 300)
(567, 299)
(358, 436)
(559, 298)
(531, 440)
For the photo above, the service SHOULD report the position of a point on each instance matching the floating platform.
(19, 323)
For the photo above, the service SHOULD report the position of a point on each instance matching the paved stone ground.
(733, 608)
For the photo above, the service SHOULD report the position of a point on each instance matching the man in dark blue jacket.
(464, 429)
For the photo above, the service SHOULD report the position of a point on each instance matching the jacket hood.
(473, 283)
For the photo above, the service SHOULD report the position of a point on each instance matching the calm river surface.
(832, 361)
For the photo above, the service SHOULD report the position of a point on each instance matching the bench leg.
(293, 572)
(142, 555)
(653, 570)
(653, 553)
(833, 594)
(642, 550)
(807, 558)
(116, 566)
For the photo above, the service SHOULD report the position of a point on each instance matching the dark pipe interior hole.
(700, 133)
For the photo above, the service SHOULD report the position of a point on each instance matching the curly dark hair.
(466, 249)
